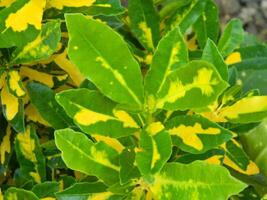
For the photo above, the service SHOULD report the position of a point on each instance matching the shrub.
(146, 101)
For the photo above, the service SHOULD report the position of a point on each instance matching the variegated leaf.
(41, 47)
(196, 134)
(247, 110)
(5, 143)
(15, 194)
(95, 159)
(194, 181)
(145, 23)
(15, 85)
(154, 150)
(122, 80)
(237, 159)
(96, 114)
(202, 82)
(170, 54)
(30, 156)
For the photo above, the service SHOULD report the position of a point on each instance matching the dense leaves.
(148, 100)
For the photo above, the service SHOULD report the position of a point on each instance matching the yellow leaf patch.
(30, 14)
(60, 4)
(14, 83)
(233, 58)
(147, 34)
(10, 102)
(5, 145)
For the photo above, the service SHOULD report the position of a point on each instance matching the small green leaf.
(144, 23)
(195, 181)
(196, 134)
(96, 114)
(231, 38)
(212, 55)
(97, 159)
(207, 26)
(43, 98)
(46, 189)
(118, 76)
(154, 150)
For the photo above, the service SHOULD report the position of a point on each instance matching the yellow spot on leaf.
(147, 34)
(155, 128)
(102, 158)
(233, 58)
(30, 14)
(6, 3)
(252, 168)
(33, 115)
(27, 145)
(10, 102)
(125, 118)
(148, 59)
(100, 196)
(5, 145)
(155, 154)
(114, 143)
(14, 83)
(36, 177)
(214, 160)
(48, 198)
(60, 4)
(1, 195)
(87, 117)
(192, 43)
(189, 134)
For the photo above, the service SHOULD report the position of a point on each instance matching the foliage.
(149, 100)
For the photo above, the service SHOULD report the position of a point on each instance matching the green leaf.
(97, 159)
(254, 143)
(16, 193)
(46, 189)
(212, 55)
(30, 156)
(118, 76)
(128, 169)
(144, 23)
(207, 26)
(170, 54)
(82, 191)
(96, 114)
(231, 38)
(154, 150)
(196, 134)
(44, 45)
(185, 17)
(247, 110)
(196, 80)
(195, 181)
(43, 98)
(237, 159)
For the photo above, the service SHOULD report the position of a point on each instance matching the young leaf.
(195, 181)
(196, 134)
(118, 76)
(16, 193)
(44, 45)
(144, 23)
(170, 54)
(207, 26)
(231, 38)
(96, 114)
(30, 156)
(247, 110)
(185, 17)
(95, 159)
(196, 80)
(43, 98)
(212, 55)
(154, 150)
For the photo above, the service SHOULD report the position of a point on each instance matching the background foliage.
(149, 100)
